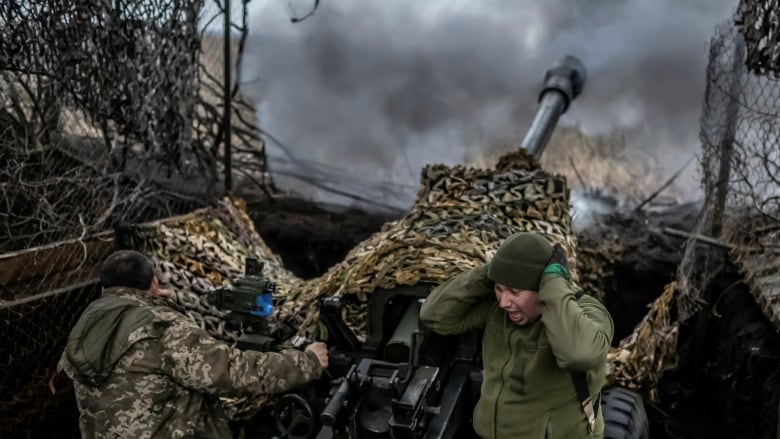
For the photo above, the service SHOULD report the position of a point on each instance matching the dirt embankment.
(311, 238)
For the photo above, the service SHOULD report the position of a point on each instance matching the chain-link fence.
(740, 174)
(110, 113)
(759, 23)
(740, 170)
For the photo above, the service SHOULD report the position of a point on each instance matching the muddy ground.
(727, 379)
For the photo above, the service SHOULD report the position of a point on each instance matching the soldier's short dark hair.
(127, 268)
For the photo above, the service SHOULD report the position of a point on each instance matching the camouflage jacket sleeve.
(579, 331)
(196, 360)
(460, 304)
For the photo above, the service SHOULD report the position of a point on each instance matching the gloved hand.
(558, 264)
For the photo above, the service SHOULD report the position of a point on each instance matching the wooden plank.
(48, 260)
(66, 289)
(60, 265)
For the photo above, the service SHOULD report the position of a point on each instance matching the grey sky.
(377, 89)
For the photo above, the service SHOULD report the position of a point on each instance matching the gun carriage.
(402, 380)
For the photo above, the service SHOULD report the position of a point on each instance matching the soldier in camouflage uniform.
(142, 370)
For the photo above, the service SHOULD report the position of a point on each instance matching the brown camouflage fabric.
(144, 370)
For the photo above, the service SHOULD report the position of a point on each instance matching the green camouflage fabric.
(141, 369)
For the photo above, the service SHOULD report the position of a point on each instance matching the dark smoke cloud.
(377, 89)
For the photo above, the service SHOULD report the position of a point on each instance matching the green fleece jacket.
(527, 389)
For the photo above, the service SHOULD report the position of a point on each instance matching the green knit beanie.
(520, 261)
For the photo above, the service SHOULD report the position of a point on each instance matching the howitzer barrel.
(562, 84)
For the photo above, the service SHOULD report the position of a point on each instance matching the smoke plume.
(362, 94)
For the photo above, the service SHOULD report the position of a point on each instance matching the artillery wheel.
(294, 417)
(624, 414)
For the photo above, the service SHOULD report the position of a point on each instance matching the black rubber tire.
(625, 416)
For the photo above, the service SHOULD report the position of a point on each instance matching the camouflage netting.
(112, 111)
(759, 22)
(460, 217)
(640, 359)
(596, 264)
(740, 166)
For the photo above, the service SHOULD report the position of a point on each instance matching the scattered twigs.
(663, 186)
(307, 15)
(701, 238)
(716, 242)
(579, 176)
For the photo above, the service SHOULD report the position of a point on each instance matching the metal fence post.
(226, 119)
(727, 142)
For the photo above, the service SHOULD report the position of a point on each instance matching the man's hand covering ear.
(558, 264)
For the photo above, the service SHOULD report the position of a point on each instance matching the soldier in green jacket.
(141, 369)
(538, 332)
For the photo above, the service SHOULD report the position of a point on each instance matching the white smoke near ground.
(364, 93)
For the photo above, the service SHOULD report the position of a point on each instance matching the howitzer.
(405, 381)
